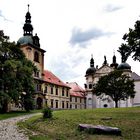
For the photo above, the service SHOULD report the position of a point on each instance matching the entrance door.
(39, 103)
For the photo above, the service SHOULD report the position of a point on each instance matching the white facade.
(136, 100)
(95, 102)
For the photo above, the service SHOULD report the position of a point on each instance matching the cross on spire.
(113, 51)
(28, 7)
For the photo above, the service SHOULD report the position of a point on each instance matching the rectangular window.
(63, 105)
(70, 99)
(67, 92)
(51, 89)
(36, 74)
(38, 87)
(67, 104)
(62, 91)
(56, 91)
(80, 100)
(75, 106)
(51, 103)
(56, 104)
(75, 99)
(46, 89)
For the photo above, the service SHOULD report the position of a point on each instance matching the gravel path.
(9, 129)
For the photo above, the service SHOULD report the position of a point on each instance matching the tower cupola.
(28, 38)
(114, 62)
(92, 69)
(28, 28)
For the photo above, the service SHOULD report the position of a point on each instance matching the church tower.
(30, 45)
(90, 97)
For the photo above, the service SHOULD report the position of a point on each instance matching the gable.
(135, 76)
(105, 69)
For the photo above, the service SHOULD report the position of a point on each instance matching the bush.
(47, 112)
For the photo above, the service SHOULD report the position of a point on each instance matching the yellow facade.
(77, 102)
(30, 52)
(57, 97)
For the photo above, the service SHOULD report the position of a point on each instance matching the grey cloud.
(64, 66)
(112, 8)
(63, 70)
(84, 37)
(76, 60)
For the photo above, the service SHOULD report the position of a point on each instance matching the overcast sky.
(71, 30)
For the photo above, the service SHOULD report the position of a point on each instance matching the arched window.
(90, 86)
(36, 56)
(105, 105)
(85, 85)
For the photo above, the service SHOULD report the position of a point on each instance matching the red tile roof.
(76, 90)
(51, 78)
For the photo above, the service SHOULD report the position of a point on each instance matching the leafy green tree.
(116, 85)
(132, 43)
(16, 75)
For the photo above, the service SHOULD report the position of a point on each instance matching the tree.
(116, 85)
(16, 75)
(132, 43)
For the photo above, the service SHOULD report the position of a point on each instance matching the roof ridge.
(54, 79)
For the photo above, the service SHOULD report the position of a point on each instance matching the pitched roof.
(76, 90)
(51, 78)
(135, 76)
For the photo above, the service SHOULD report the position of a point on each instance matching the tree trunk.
(4, 107)
(116, 104)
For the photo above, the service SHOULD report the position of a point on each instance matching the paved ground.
(9, 130)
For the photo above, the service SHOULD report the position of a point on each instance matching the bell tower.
(30, 45)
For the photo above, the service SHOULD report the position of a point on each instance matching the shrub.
(47, 112)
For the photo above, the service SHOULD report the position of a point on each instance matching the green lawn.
(16, 113)
(64, 124)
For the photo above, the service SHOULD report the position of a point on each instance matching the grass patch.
(16, 113)
(63, 125)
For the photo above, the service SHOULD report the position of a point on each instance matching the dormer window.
(36, 56)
